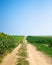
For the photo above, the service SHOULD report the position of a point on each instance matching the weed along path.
(10, 59)
(35, 57)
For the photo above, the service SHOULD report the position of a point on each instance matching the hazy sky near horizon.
(26, 17)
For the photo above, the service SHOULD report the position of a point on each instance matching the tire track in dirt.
(35, 57)
(11, 58)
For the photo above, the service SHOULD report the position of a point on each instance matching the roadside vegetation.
(22, 59)
(43, 43)
(8, 43)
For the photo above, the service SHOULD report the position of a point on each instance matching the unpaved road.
(11, 58)
(35, 57)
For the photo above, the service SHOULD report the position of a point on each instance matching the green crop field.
(18, 38)
(43, 43)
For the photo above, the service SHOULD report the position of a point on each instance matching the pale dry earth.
(11, 58)
(36, 57)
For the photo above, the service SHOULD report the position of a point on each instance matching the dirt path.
(35, 57)
(10, 59)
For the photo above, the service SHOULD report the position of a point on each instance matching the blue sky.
(26, 17)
